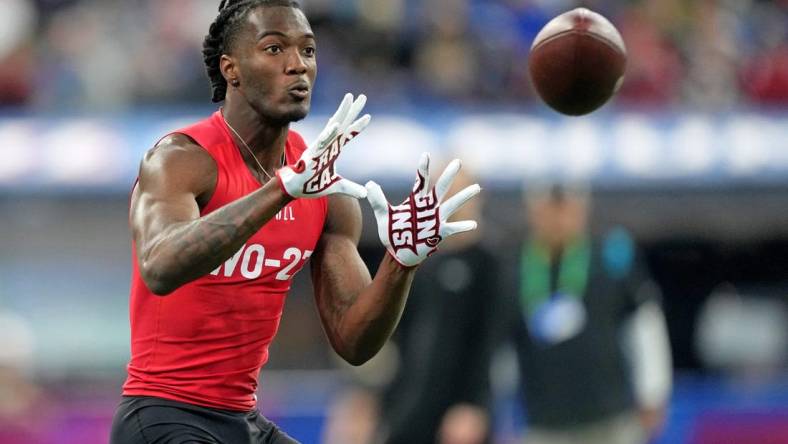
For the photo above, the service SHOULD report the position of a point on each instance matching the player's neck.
(266, 140)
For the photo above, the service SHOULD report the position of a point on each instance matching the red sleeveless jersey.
(205, 342)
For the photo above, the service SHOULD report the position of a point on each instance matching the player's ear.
(229, 70)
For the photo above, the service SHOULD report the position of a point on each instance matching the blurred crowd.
(110, 54)
(723, 284)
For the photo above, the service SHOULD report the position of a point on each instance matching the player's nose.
(296, 65)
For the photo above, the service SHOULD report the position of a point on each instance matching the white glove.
(412, 230)
(315, 175)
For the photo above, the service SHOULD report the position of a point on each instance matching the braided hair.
(222, 34)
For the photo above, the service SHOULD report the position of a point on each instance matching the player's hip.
(148, 420)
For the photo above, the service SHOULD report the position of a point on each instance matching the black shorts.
(149, 420)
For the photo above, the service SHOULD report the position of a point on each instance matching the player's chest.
(280, 248)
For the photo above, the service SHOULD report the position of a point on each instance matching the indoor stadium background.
(691, 157)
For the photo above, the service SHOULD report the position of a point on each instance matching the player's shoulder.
(178, 160)
(176, 147)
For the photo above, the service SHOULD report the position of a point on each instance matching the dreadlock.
(222, 35)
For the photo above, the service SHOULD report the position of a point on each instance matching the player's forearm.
(192, 249)
(367, 324)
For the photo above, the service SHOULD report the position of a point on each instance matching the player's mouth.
(299, 90)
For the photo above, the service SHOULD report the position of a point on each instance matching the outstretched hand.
(412, 230)
(315, 175)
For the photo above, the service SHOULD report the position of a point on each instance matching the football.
(577, 62)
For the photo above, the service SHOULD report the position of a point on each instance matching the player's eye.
(273, 49)
(310, 51)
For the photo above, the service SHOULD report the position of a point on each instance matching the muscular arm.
(358, 313)
(174, 244)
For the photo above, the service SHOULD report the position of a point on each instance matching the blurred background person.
(22, 401)
(590, 335)
(439, 391)
(353, 415)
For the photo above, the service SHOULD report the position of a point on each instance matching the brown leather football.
(577, 62)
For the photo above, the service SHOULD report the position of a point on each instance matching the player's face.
(277, 63)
